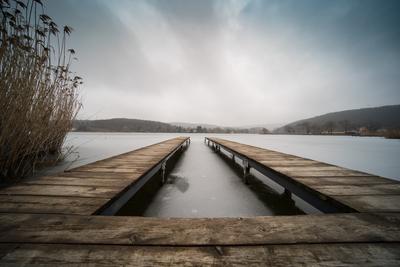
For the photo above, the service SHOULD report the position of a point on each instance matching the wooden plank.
(376, 203)
(273, 255)
(50, 205)
(129, 164)
(290, 163)
(147, 165)
(327, 173)
(359, 180)
(309, 168)
(261, 157)
(61, 190)
(113, 165)
(99, 175)
(373, 189)
(5, 249)
(333, 228)
(59, 180)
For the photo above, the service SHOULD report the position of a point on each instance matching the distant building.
(363, 130)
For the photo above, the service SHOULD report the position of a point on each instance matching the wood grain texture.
(333, 228)
(60, 190)
(374, 203)
(109, 175)
(370, 189)
(50, 204)
(272, 255)
(60, 180)
(326, 173)
(344, 180)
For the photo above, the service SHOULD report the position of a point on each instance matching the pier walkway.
(55, 220)
(328, 187)
(91, 188)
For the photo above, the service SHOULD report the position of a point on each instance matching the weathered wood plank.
(50, 205)
(371, 189)
(327, 173)
(61, 190)
(291, 163)
(355, 180)
(272, 255)
(375, 203)
(100, 175)
(114, 165)
(309, 168)
(333, 228)
(147, 165)
(60, 180)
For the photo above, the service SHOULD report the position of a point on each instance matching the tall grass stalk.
(38, 92)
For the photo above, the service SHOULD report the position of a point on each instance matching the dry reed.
(38, 98)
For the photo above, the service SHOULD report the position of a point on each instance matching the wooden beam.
(33, 228)
(272, 255)
(50, 204)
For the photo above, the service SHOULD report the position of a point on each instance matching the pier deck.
(51, 220)
(88, 189)
(347, 190)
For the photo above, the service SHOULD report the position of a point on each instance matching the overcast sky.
(232, 62)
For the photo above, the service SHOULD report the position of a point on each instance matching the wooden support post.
(287, 193)
(163, 171)
(246, 171)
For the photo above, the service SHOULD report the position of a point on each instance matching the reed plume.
(38, 92)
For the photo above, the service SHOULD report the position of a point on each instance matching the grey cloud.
(233, 62)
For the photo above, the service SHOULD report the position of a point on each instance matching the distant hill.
(123, 125)
(372, 119)
(135, 125)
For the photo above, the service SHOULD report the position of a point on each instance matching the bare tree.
(345, 124)
(306, 126)
(329, 126)
(289, 129)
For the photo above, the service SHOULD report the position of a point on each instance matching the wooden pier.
(330, 188)
(55, 220)
(89, 189)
